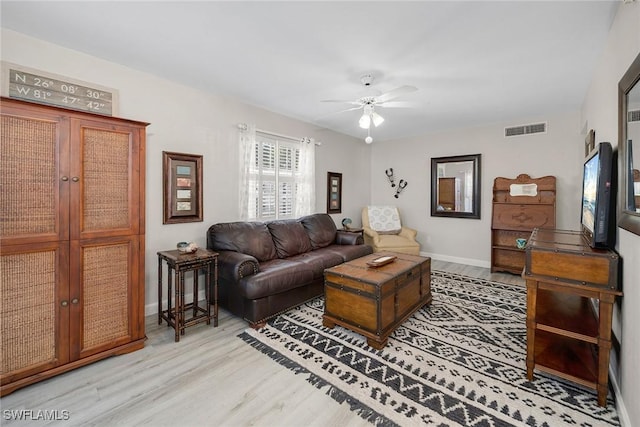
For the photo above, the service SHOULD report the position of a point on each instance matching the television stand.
(567, 335)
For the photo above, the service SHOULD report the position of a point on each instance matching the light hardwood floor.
(209, 378)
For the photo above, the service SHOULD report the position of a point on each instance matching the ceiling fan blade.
(392, 94)
(338, 112)
(396, 104)
(342, 101)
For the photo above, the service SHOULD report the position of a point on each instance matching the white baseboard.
(623, 415)
(152, 308)
(458, 260)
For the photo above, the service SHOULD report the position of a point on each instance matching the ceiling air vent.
(633, 116)
(525, 129)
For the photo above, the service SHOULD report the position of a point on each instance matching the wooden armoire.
(71, 240)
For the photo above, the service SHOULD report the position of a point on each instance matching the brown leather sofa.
(267, 268)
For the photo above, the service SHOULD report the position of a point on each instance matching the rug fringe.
(273, 354)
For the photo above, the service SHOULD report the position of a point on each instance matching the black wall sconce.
(390, 177)
(401, 185)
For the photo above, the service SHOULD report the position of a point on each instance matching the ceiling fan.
(371, 100)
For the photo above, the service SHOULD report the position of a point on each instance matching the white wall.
(556, 153)
(188, 121)
(600, 112)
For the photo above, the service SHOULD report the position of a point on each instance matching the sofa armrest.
(233, 266)
(347, 238)
(373, 234)
(408, 232)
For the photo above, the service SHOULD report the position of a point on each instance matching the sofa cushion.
(349, 252)
(320, 228)
(289, 238)
(251, 238)
(319, 260)
(274, 277)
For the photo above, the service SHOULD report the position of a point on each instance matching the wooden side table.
(566, 336)
(359, 231)
(179, 263)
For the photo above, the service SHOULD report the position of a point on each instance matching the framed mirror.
(628, 135)
(455, 186)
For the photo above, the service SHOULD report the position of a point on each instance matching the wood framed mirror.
(455, 186)
(628, 135)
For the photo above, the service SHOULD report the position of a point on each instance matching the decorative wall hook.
(389, 173)
(401, 186)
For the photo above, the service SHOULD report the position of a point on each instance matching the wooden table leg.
(532, 294)
(604, 346)
(207, 294)
(215, 292)
(159, 290)
(196, 289)
(170, 314)
(178, 321)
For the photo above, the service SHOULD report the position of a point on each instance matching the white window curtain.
(247, 149)
(277, 175)
(306, 194)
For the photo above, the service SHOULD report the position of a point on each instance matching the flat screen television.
(598, 213)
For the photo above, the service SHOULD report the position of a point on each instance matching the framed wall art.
(181, 187)
(334, 192)
(589, 142)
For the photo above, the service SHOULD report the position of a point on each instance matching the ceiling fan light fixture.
(376, 118)
(365, 121)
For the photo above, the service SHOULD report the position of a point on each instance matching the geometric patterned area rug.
(457, 362)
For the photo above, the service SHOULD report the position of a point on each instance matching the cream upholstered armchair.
(384, 232)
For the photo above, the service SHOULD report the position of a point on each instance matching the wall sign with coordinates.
(32, 85)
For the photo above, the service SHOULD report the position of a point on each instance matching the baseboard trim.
(623, 415)
(152, 308)
(458, 260)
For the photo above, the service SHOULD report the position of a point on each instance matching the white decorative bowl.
(187, 248)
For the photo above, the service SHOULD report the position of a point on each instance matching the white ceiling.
(474, 62)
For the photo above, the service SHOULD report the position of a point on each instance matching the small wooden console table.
(566, 335)
(179, 263)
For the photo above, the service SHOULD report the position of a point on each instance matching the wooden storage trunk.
(565, 255)
(374, 301)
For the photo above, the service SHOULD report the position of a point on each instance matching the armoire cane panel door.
(105, 242)
(34, 250)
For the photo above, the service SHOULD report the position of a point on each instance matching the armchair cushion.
(403, 240)
(384, 219)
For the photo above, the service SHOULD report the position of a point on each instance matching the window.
(276, 178)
